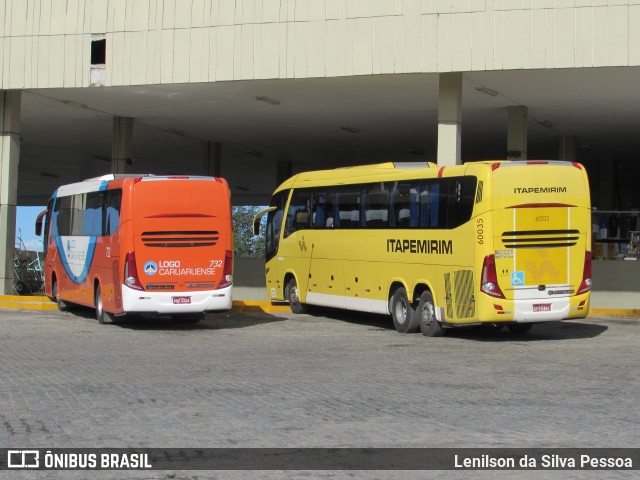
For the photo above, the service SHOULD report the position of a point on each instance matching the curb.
(615, 312)
(41, 302)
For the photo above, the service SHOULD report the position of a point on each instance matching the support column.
(450, 119)
(9, 159)
(567, 148)
(517, 132)
(121, 145)
(212, 159)
(284, 171)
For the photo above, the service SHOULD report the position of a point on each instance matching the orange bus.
(140, 244)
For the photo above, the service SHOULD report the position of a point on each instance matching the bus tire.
(402, 313)
(426, 314)
(102, 316)
(62, 305)
(519, 327)
(293, 296)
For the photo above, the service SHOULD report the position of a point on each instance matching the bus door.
(296, 246)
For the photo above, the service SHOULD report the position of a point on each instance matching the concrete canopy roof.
(66, 133)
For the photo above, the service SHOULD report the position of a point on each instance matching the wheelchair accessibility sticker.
(517, 278)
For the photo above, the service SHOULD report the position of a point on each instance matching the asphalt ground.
(328, 379)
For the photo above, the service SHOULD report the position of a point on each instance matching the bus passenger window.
(112, 217)
(376, 209)
(405, 207)
(348, 201)
(322, 210)
(461, 197)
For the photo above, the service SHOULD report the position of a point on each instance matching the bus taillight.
(489, 283)
(585, 286)
(227, 270)
(131, 272)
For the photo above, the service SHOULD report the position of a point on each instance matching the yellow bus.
(497, 242)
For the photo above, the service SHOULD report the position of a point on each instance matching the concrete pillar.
(212, 159)
(517, 132)
(450, 119)
(284, 171)
(121, 145)
(9, 159)
(567, 148)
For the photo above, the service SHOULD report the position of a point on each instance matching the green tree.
(245, 243)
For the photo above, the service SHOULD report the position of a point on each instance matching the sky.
(26, 227)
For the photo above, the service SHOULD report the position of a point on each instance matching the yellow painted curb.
(27, 302)
(258, 306)
(615, 312)
(41, 302)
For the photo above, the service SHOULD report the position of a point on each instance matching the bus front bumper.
(175, 302)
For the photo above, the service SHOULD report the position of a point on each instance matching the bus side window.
(348, 205)
(461, 199)
(112, 204)
(62, 214)
(93, 214)
(322, 216)
(405, 207)
(298, 217)
(376, 208)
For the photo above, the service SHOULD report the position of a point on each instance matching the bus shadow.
(373, 320)
(539, 332)
(211, 321)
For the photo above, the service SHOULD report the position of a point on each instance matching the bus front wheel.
(62, 305)
(102, 316)
(402, 313)
(429, 325)
(292, 294)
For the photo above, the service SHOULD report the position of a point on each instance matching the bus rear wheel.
(429, 325)
(102, 316)
(292, 294)
(402, 313)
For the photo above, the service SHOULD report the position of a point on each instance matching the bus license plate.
(542, 307)
(181, 300)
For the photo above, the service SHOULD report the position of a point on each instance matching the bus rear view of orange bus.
(140, 244)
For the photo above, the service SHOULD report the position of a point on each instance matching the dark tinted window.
(429, 204)
(299, 212)
(376, 206)
(87, 214)
(348, 206)
(274, 223)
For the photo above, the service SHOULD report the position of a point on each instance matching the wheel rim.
(293, 295)
(426, 314)
(55, 291)
(401, 311)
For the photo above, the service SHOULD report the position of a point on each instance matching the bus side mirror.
(258, 217)
(39, 222)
